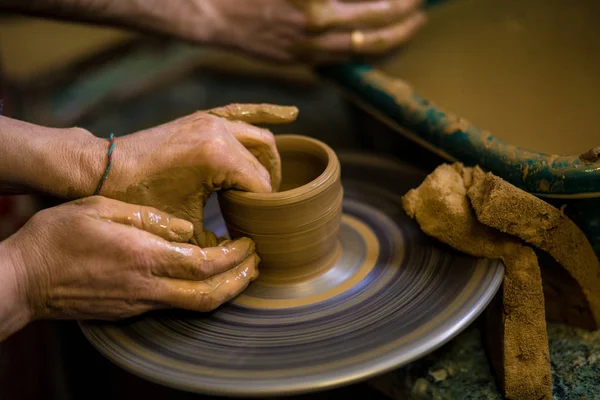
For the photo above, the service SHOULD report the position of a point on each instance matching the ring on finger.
(357, 40)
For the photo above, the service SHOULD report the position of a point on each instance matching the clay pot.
(296, 228)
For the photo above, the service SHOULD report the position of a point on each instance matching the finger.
(374, 41)
(149, 219)
(192, 209)
(247, 173)
(185, 261)
(204, 238)
(261, 144)
(257, 113)
(210, 294)
(363, 14)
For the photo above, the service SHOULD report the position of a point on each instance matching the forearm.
(154, 16)
(14, 310)
(65, 163)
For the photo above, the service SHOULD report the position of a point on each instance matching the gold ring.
(357, 40)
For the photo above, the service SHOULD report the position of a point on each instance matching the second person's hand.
(314, 31)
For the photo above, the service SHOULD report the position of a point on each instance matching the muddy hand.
(101, 258)
(262, 148)
(176, 166)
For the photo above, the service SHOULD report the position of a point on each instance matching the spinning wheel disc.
(392, 296)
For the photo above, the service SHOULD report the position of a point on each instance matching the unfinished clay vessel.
(295, 229)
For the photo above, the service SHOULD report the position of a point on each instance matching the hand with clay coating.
(103, 259)
(175, 167)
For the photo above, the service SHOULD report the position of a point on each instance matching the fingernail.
(244, 244)
(182, 228)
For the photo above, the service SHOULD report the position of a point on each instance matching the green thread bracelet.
(108, 165)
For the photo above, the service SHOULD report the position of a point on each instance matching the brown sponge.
(502, 206)
(441, 207)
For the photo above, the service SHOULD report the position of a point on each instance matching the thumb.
(257, 113)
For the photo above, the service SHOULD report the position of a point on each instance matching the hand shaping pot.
(295, 229)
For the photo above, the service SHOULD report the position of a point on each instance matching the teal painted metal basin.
(572, 180)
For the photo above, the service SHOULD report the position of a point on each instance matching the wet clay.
(295, 229)
(526, 70)
(442, 209)
(543, 226)
(200, 159)
(257, 113)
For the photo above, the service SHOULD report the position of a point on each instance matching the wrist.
(80, 164)
(77, 160)
(14, 310)
(67, 163)
(48, 160)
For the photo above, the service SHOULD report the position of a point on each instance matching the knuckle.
(139, 255)
(149, 217)
(205, 269)
(41, 216)
(67, 220)
(138, 293)
(218, 145)
(208, 266)
(192, 268)
(97, 200)
(268, 138)
(77, 223)
(211, 123)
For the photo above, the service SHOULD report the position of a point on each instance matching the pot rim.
(318, 185)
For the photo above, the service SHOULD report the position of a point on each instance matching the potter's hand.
(176, 166)
(104, 259)
(311, 30)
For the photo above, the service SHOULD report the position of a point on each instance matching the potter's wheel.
(394, 295)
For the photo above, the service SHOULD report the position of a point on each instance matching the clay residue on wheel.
(592, 155)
